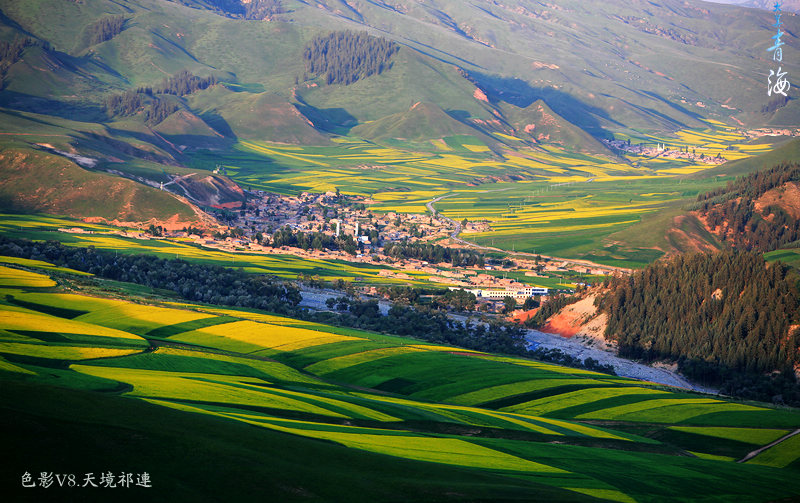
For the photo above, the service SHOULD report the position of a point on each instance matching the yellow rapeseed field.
(19, 278)
(38, 322)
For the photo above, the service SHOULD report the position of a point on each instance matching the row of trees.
(182, 83)
(195, 282)
(285, 236)
(716, 314)
(347, 56)
(433, 253)
(105, 29)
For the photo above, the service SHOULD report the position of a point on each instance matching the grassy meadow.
(478, 420)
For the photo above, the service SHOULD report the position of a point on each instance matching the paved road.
(433, 211)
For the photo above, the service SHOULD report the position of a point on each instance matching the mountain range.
(139, 85)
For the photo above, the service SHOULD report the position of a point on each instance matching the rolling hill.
(423, 121)
(40, 182)
(290, 409)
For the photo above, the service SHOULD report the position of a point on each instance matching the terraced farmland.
(496, 420)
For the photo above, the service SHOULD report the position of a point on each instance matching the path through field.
(762, 449)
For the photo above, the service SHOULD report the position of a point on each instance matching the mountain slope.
(423, 121)
(44, 183)
(540, 123)
(598, 64)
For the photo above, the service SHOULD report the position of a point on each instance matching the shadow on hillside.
(84, 112)
(328, 120)
(521, 94)
(216, 122)
(656, 116)
(675, 106)
(122, 148)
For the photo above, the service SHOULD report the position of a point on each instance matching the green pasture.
(365, 394)
(786, 453)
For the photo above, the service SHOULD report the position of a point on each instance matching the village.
(255, 227)
(663, 150)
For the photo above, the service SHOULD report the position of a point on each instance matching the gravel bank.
(627, 368)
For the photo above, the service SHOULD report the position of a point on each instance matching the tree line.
(722, 315)
(182, 83)
(211, 284)
(731, 210)
(433, 253)
(345, 57)
(214, 284)
(105, 29)
(285, 236)
(146, 100)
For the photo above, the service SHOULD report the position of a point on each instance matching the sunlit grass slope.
(475, 419)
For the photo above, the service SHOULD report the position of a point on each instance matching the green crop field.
(784, 454)
(559, 203)
(375, 394)
(41, 227)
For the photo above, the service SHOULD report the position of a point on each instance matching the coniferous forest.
(147, 100)
(721, 316)
(346, 56)
(732, 213)
(105, 29)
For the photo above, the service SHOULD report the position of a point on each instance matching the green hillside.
(257, 116)
(38, 182)
(423, 121)
(276, 406)
(538, 122)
